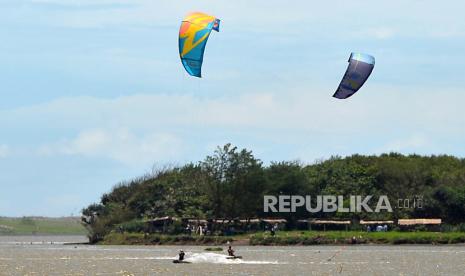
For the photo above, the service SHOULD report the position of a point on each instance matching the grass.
(159, 239)
(39, 225)
(290, 238)
(343, 237)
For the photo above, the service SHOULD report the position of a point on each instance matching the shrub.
(133, 226)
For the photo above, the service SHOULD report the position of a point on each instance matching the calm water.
(49, 256)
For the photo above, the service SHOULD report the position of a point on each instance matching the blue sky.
(93, 92)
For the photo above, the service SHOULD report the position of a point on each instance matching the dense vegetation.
(231, 184)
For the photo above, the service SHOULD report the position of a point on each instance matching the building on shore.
(322, 224)
(223, 226)
(427, 224)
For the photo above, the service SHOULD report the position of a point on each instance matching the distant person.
(354, 240)
(274, 229)
(231, 252)
(368, 228)
(385, 228)
(379, 228)
(181, 255)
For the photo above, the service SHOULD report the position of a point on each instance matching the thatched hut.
(160, 224)
(427, 224)
(321, 224)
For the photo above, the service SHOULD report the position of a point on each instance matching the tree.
(235, 183)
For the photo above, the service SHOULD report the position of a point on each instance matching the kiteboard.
(180, 262)
(234, 257)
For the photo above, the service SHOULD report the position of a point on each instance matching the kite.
(193, 35)
(358, 71)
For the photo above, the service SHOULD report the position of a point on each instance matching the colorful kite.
(193, 35)
(360, 68)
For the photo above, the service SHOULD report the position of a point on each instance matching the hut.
(303, 224)
(415, 224)
(250, 225)
(320, 224)
(277, 224)
(223, 225)
(160, 224)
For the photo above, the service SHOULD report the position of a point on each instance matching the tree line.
(231, 184)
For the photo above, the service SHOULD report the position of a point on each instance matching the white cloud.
(302, 109)
(137, 130)
(413, 144)
(340, 18)
(120, 145)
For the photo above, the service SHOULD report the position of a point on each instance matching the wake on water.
(215, 258)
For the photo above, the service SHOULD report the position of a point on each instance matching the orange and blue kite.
(193, 35)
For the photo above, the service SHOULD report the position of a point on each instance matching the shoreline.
(290, 238)
(43, 235)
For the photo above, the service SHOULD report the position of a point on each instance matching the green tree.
(235, 184)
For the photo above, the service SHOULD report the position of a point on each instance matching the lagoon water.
(52, 256)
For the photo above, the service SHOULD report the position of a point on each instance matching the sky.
(92, 93)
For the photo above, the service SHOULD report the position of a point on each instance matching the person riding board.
(181, 255)
(231, 252)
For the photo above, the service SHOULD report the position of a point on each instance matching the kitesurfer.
(231, 252)
(181, 255)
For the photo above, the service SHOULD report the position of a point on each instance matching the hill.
(232, 183)
(41, 225)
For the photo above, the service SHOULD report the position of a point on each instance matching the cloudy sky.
(92, 92)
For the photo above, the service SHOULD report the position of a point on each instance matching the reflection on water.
(52, 256)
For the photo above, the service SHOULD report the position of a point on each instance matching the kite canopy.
(193, 35)
(358, 71)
